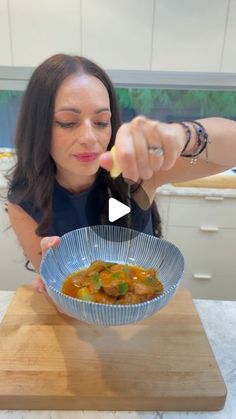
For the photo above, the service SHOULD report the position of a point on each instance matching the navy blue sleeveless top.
(72, 211)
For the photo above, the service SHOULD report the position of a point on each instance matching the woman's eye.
(65, 124)
(102, 124)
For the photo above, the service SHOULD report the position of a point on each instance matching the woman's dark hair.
(32, 179)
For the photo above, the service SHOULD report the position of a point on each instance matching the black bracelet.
(187, 133)
(202, 142)
(136, 186)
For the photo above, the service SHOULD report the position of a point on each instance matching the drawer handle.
(208, 228)
(214, 198)
(202, 276)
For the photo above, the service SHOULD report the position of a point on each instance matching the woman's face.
(81, 127)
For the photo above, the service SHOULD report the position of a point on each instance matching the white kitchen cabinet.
(204, 229)
(5, 44)
(118, 34)
(12, 260)
(189, 35)
(229, 59)
(41, 29)
(163, 205)
(202, 210)
(166, 35)
(210, 263)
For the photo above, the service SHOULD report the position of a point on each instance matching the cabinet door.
(202, 211)
(210, 262)
(5, 45)
(118, 34)
(43, 28)
(189, 35)
(229, 59)
(217, 288)
(163, 203)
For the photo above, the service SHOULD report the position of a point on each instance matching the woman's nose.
(86, 133)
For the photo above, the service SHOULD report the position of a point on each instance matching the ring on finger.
(156, 150)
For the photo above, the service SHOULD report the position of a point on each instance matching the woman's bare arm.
(24, 227)
(133, 160)
(33, 246)
(221, 154)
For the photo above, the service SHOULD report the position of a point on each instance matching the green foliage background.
(7, 95)
(143, 100)
(204, 102)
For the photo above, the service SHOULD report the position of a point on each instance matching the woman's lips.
(85, 157)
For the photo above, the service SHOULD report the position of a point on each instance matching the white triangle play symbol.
(116, 209)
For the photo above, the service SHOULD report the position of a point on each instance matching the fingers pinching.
(142, 147)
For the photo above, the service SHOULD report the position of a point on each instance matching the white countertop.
(219, 321)
(170, 190)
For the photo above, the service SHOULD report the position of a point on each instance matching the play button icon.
(116, 209)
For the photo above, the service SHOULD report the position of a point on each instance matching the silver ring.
(156, 149)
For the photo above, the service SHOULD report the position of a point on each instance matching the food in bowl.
(113, 283)
(79, 248)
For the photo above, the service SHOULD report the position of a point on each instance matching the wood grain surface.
(50, 361)
(220, 181)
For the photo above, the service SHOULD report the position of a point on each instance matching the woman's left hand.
(45, 244)
(144, 146)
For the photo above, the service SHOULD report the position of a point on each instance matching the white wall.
(174, 35)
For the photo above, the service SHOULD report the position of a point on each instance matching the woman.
(68, 123)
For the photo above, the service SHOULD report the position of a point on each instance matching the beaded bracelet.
(187, 132)
(202, 142)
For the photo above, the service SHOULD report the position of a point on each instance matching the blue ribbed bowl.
(79, 248)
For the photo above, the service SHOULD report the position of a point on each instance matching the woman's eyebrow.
(76, 110)
(70, 109)
(102, 110)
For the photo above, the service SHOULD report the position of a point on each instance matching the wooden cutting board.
(49, 361)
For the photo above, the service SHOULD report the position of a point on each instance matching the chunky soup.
(113, 283)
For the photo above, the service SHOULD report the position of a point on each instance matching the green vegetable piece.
(123, 288)
(96, 280)
(116, 275)
(126, 269)
(149, 281)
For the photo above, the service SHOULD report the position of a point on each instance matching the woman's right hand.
(45, 244)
